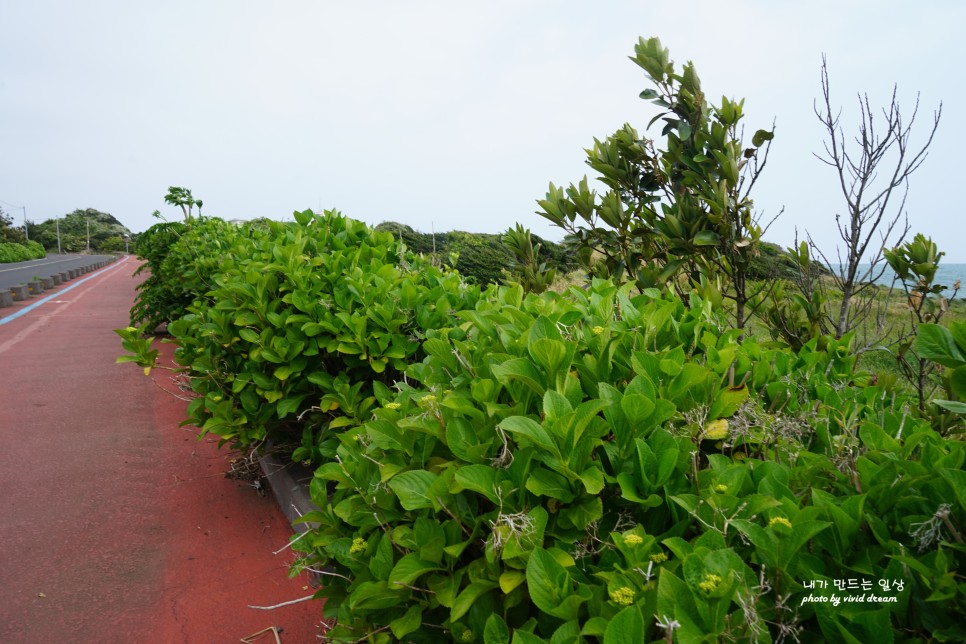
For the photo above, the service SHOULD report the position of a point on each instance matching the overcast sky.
(440, 115)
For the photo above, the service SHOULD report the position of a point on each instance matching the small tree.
(525, 267)
(915, 264)
(873, 174)
(182, 198)
(685, 208)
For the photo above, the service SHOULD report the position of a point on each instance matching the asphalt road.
(22, 272)
(116, 524)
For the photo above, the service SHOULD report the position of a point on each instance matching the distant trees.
(101, 229)
(9, 231)
(479, 256)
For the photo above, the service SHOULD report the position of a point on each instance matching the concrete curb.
(290, 486)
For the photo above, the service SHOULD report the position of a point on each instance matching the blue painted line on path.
(28, 309)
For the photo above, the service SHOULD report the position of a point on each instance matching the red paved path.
(116, 525)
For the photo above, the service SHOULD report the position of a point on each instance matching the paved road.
(117, 525)
(22, 272)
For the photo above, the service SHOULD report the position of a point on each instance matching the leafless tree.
(873, 171)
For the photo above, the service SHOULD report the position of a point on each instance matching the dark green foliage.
(601, 463)
(9, 231)
(180, 259)
(104, 232)
(681, 210)
(481, 257)
(773, 262)
(569, 462)
(302, 324)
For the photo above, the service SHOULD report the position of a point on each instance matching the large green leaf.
(936, 343)
(532, 430)
(552, 355)
(520, 370)
(525, 637)
(951, 405)
(479, 478)
(957, 382)
(543, 482)
(555, 405)
(706, 238)
(636, 407)
(957, 480)
(466, 599)
(412, 489)
(374, 595)
(409, 569)
(570, 600)
(675, 601)
(495, 631)
(627, 627)
(548, 581)
(409, 622)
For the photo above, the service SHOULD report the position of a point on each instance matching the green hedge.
(17, 252)
(180, 259)
(593, 466)
(303, 324)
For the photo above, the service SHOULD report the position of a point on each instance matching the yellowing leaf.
(510, 580)
(716, 430)
(147, 371)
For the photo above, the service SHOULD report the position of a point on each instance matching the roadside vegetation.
(82, 230)
(14, 246)
(687, 444)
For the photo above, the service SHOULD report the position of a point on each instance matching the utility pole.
(26, 233)
(88, 235)
(57, 223)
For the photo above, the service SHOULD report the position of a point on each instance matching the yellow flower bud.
(781, 521)
(623, 596)
(710, 583)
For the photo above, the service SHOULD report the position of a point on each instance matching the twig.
(274, 630)
(288, 603)
(290, 543)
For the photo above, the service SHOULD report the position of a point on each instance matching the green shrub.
(598, 466)
(20, 252)
(303, 324)
(581, 467)
(180, 259)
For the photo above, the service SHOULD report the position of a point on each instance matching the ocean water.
(947, 275)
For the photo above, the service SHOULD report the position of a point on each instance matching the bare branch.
(878, 162)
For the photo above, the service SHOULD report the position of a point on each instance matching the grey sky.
(444, 115)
